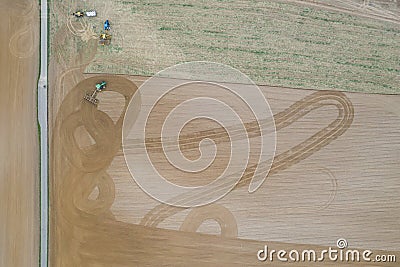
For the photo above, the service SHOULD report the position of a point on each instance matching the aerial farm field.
(275, 43)
(335, 171)
(19, 171)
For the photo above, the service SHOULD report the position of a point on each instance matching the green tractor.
(92, 97)
(101, 86)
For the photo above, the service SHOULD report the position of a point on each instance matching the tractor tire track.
(289, 157)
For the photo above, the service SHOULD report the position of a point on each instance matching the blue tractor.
(107, 25)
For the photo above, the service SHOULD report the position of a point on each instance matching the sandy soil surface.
(333, 148)
(335, 174)
(19, 174)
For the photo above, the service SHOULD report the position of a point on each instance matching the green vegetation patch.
(273, 43)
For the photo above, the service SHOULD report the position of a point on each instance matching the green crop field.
(274, 43)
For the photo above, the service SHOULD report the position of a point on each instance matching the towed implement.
(80, 13)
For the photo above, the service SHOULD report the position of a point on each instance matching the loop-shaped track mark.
(290, 157)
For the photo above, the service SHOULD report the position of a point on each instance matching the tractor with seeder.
(91, 97)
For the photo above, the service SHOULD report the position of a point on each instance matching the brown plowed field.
(335, 174)
(19, 159)
(332, 147)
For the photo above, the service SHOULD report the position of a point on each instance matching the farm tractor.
(107, 26)
(78, 14)
(105, 39)
(92, 97)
